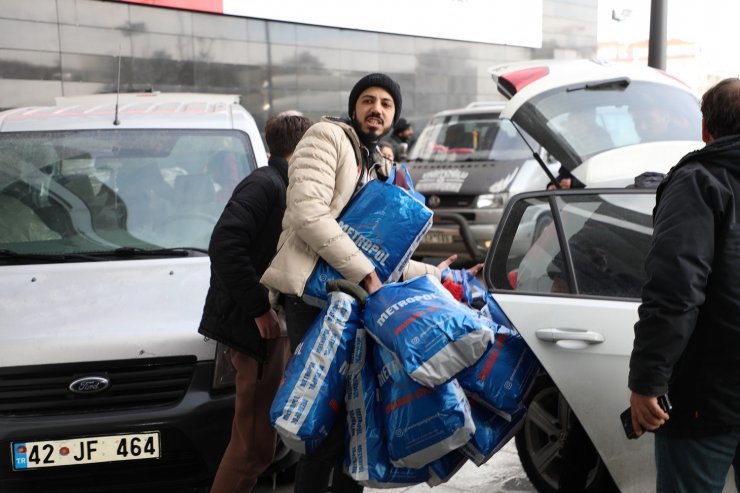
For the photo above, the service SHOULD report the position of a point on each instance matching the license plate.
(437, 237)
(87, 450)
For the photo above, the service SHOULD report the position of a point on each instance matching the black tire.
(552, 439)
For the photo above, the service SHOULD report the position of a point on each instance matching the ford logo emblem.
(89, 385)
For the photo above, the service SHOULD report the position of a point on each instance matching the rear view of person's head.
(720, 108)
(283, 132)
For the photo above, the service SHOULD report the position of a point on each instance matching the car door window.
(595, 247)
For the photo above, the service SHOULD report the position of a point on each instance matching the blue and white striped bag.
(312, 391)
(387, 224)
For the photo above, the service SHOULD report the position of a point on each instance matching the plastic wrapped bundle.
(424, 423)
(387, 224)
(366, 459)
(502, 377)
(312, 392)
(442, 470)
(492, 432)
(432, 335)
(474, 294)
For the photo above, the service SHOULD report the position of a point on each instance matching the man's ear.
(705, 135)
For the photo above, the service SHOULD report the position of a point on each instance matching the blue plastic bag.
(502, 377)
(312, 391)
(442, 470)
(366, 453)
(387, 224)
(424, 423)
(432, 334)
(474, 293)
(492, 432)
(401, 177)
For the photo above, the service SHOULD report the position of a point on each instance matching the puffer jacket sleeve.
(322, 174)
(416, 269)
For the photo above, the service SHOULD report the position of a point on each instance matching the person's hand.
(372, 282)
(565, 184)
(475, 269)
(646, 413)
(446, 263)
(268, 324)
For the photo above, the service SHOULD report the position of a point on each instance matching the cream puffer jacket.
(322, 177)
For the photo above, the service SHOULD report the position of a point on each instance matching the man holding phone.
(687, 340)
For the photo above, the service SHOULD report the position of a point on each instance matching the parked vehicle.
(597, 121)
(467, 162)
(573, 294)
(106, 213)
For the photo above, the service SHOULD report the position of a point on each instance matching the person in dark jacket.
(237, 310)
(687, 339)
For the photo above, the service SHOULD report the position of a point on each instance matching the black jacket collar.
(281, 165)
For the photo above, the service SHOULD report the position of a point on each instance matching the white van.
(106, 212)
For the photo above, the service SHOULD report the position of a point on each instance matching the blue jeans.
(693, 465)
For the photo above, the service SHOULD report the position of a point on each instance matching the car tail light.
(672, 77)
(512, 277)
(514, 82)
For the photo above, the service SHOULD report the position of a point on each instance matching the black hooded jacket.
(242, 245)
(687, 341)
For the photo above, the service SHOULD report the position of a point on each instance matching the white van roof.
(161, 111)
(151, 97)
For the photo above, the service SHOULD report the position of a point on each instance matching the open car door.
(567, 269)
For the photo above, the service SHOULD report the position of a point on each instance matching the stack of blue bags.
(427, 381)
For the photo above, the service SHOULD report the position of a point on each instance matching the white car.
(595, 121)
(573, 294)
(106, 213)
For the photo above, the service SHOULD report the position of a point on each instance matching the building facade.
(51, 48)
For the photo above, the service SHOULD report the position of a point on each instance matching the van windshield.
(97, 191)
(473, 137)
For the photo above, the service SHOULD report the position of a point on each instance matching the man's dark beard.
(366, 138)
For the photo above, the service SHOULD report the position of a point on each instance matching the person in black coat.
(237, 310)
(687, 340)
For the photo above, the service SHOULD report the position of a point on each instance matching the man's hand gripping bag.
(387, 224)
(433, 336)
(312, 391)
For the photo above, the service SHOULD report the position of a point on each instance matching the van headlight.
(491, 200)
(224, 374)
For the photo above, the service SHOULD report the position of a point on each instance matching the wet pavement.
(502, 473)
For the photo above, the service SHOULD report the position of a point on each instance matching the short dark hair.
(284, 131)
(720, 108)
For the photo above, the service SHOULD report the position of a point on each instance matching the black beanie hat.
(376, 80)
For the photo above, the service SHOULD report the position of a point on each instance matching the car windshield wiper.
(44, 257)
(127, 252)
(605, 85)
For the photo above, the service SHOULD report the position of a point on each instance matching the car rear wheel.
(553, 446)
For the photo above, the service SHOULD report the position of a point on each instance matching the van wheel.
(552, 445)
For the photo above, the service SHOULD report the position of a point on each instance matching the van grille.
(447, 201)
(44, 390)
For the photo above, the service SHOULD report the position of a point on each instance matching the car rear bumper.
(194, 433)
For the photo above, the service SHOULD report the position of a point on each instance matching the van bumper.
(194, 433)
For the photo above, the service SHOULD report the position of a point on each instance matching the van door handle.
(555, 335)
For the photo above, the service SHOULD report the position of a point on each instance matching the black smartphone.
(626, 417)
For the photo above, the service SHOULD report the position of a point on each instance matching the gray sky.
(712, 24)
